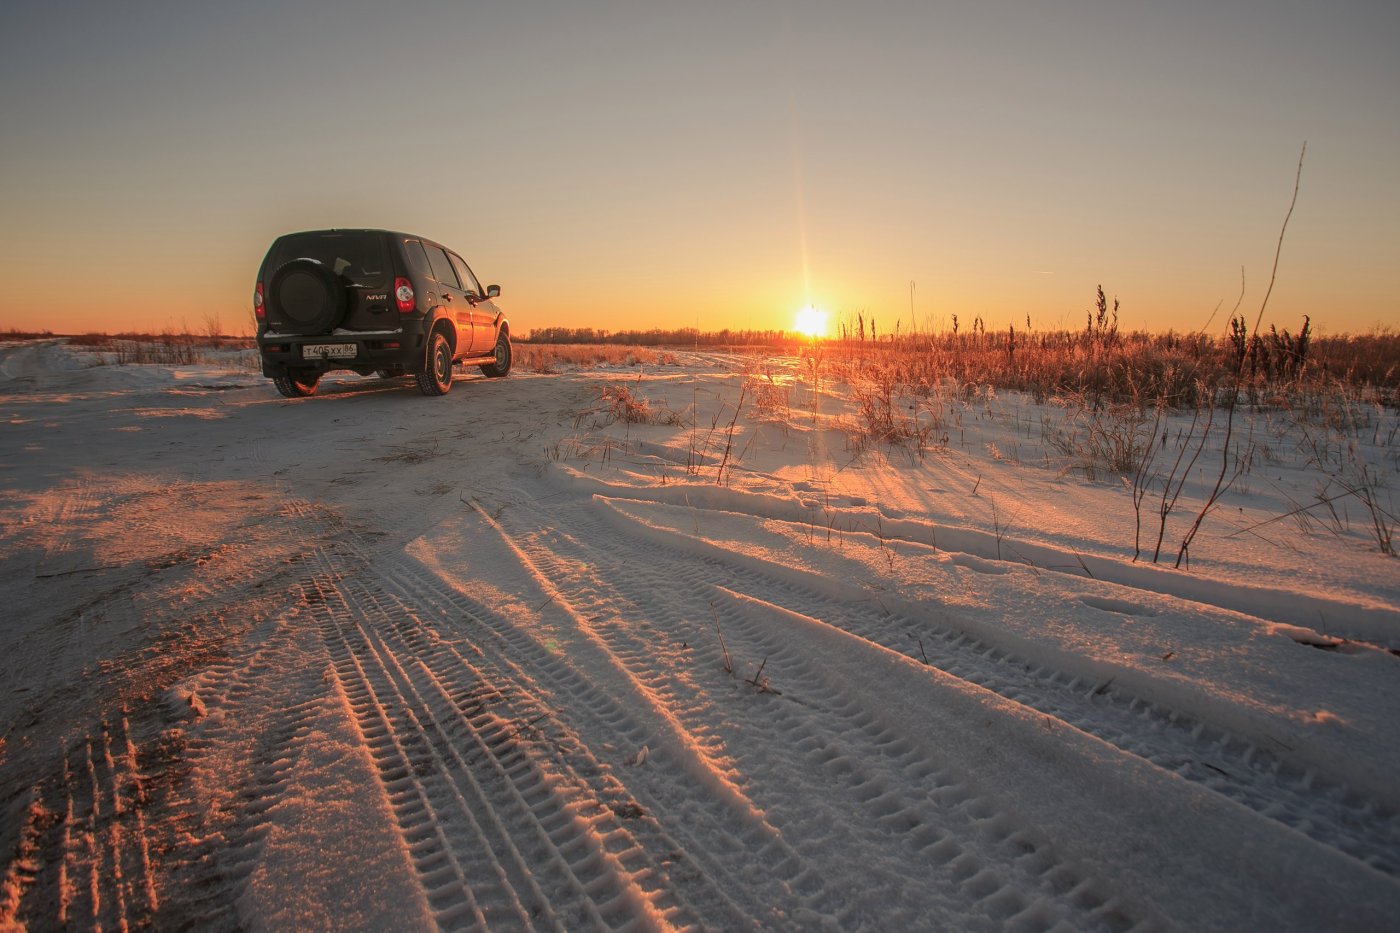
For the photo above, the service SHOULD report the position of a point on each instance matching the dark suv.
(376, 303)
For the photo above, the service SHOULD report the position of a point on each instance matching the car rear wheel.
(297, 384)
(504, 354)
(437, 378)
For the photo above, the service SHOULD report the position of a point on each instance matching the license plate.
(328, 351)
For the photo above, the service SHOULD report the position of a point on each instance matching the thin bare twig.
(1297, 183)
(728, 664)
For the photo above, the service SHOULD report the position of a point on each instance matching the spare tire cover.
(306, 297)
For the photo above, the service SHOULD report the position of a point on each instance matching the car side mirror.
(493, 291)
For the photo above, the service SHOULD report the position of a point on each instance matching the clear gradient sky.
(636, 164)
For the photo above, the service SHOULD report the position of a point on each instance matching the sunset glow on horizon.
(622, 167)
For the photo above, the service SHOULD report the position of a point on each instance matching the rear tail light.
(403, 294)
(259, 310)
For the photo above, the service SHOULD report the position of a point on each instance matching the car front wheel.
(501, 365)
(437, 378)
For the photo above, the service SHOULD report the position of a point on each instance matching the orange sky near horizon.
(626, 167)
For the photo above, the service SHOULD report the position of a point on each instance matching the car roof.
(339, 230)
(394, 233)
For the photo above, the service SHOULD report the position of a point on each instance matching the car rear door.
(452, 297)
(484, 312)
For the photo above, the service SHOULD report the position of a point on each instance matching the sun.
(810, 322)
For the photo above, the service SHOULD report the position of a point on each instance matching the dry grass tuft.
(624, 405)
(619, 403)
(769, 391)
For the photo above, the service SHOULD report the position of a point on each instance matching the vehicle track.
(78, 504)
(502, 836)
(91, 797)
(54, 532)
(994, 870)
(971, 865)
(250, 715)
(348, 605)
(103, 876)
(558, 708)
(1211, 756)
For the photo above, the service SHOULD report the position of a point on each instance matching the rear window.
(417, 259)
(359, 257)
(442, 266)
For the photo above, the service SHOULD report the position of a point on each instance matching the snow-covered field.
(505, 659)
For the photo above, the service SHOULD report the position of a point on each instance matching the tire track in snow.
(585, 591)
(969, 864)
(324, 610)
(92, 800)
(252, 713)
(996, 871)
(104, 871)
(274, 759)
(364, 621)
(166, 591)
(1327, 811)
(78, 504)
(56, 524)
(491, 826)
(612, 803)
(1180, 851)
(579, 714)
(1359, 622)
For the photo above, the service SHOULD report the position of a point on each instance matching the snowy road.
(499, 660)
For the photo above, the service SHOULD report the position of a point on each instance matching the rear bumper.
(373, 350)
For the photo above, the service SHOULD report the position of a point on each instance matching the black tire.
(436, 379)
(306, 297)
(505, 355)
(297, 384)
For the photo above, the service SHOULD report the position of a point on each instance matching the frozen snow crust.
(610, 649)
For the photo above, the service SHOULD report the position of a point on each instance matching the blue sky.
(638, 164)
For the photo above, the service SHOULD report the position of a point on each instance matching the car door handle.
(446, 297)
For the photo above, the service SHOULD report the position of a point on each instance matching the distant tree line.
(656, 337)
